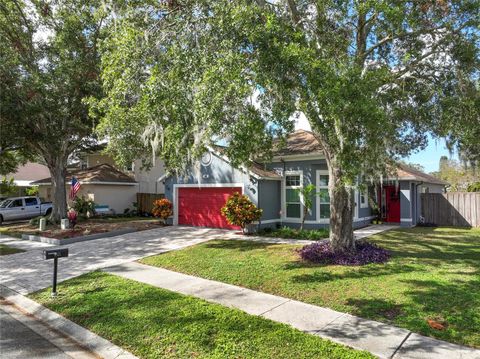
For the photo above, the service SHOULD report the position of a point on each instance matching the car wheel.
(48, 212)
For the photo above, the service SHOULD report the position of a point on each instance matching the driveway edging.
(96, 344)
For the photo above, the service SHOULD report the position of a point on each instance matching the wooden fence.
(145, 201)
(460, 209)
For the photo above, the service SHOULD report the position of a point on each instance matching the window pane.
(324, 197)
(323, 180)
(293, 210)
(292, 195)
(324, 210)
(30, 201)
(17, 203)
(292, 180)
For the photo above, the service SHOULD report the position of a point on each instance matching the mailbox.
(55, 253)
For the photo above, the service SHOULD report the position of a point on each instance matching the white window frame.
(284, 194)
(364, 204)
(317, 197)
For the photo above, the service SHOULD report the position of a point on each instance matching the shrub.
(474, 187)
(32, 191)
(240, 211)
(72, 217)
(323, 253)
(84, 207)
(162, 208)
(36, 221)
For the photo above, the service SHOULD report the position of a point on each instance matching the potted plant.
(162, 208)
(240, 211)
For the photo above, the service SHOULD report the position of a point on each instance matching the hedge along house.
(112, 190)
(198, 196)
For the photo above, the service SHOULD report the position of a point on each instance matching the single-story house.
(103, 183)
(26, 174)
(198, 196)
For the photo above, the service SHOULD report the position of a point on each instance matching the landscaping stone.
(65, 241)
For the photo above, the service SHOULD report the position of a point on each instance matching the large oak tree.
(50, 63)
(372, 78)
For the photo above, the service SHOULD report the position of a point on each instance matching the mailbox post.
(55, 254)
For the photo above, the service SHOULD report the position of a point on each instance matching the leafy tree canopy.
(49, 65)
(372, 78)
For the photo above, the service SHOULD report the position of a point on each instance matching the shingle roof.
(30, 172)
(260, 171)
(101, 173)
(298, 143)
(407, 172)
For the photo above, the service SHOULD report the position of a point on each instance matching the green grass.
(433, 274)
(5, 250)
(291, 233)
(156, 323)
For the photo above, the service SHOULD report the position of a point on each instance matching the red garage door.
(201, 206)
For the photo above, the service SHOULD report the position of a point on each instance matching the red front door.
(392, 201)
(200, 207)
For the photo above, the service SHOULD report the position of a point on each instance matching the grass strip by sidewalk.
(154, 323)
(292, 233)
(5, 250)
(434, 274)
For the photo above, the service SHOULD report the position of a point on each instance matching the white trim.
(267, 221)
(365, 196)
(364, 218)
(283, 195)
(356, 204)
(197, 185)
(406, 220)
(317, 197)
(306, 156)
(67, 183)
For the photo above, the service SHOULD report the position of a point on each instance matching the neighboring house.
(149, 181)
(103, 184)
(26, 174)
(198, 196)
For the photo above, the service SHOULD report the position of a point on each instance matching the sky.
(428, 158)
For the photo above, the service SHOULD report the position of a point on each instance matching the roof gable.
(96, 174)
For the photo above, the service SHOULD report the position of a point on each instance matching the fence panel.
(460, 209)
(145, 201)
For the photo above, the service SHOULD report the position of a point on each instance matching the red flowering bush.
(240, 211)
(162, 208)
(72, 218)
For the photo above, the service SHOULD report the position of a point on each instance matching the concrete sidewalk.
(383, 340)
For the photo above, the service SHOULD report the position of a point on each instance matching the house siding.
(217, 172)
(269, 199)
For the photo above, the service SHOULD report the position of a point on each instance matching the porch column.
(405, 204)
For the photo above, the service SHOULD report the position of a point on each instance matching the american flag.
(74, 188)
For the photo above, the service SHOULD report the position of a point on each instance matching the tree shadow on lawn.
(238, 245)
(152, 322)
(456, 303)
(353, 272)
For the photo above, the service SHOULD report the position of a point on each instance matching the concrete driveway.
(28, 272)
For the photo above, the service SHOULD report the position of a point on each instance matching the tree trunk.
(341, 212)
(58, 171)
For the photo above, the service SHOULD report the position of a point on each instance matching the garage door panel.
(201, 206)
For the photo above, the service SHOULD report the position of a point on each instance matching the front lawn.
(434, 274)
(156, 323)
(292, 233)
(4, 250)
